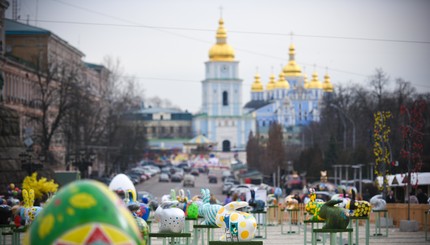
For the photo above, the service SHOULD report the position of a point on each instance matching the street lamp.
(352, 122)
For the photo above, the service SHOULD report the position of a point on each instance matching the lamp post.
(352, 122)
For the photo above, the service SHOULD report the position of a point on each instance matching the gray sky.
(165, 43)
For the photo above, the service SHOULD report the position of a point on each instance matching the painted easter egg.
(84, 212)
(193, 211)
(122, 182)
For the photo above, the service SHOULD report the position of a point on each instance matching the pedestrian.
(227, 199)
(212, 199)
(390, 198)
(296, 196)
(422, 196)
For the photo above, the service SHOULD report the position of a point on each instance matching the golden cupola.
(315, 83)
(257, 86)
(292, 69)
(305, 81)
(221, 51)
(271, 84)
(282, 83)
(327, 85)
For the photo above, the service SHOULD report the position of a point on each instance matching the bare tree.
(379, 81)
(274, 149)
(253, 152)
(53, 87)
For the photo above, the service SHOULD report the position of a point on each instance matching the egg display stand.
(357, 221)
(378, 223)
(199, 229)
(313, 224)
(261, 217)
(292, 213)
(171, 236)
(332, 235)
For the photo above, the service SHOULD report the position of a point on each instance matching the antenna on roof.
(220, 11)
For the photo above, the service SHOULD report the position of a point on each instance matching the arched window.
(224, 98)
(226, 146)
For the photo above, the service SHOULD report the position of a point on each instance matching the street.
(159, 189)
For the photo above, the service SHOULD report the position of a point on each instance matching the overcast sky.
(164, 43)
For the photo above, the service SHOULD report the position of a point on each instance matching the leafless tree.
(54, 85)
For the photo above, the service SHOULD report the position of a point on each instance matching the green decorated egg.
(84, 212)
(193, 211)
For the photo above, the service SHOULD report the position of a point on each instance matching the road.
(159, 189)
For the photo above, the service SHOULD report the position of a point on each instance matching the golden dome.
(271, 85)
(327, 85)
(221, 51)
(282, 83)
(257, 86)
(292, 69)
(315, 83)
(306, 82)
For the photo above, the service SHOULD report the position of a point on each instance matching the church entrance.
(226, 146)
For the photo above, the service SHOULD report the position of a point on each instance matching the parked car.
(163, 178)
(226, 174)
(189, 180)
(226, 189)
(212, 178)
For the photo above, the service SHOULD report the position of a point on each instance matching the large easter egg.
(122, 182)
(84, 212)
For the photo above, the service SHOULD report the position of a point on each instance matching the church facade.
(288, 99)
(222, 118)
(291, 100)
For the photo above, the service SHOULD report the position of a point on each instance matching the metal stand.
(378, 223)
(357, 221)
(313, 223)
(292, 214)
(199, 229)
(170, 236)
(261, 217)
(332, 235)
(426, 228)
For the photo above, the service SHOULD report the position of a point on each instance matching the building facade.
(221, 118)
(28, 52)
(164, 128)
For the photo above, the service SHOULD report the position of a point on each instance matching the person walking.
(227, 199)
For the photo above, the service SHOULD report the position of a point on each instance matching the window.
(224, 98)
(226, 146)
